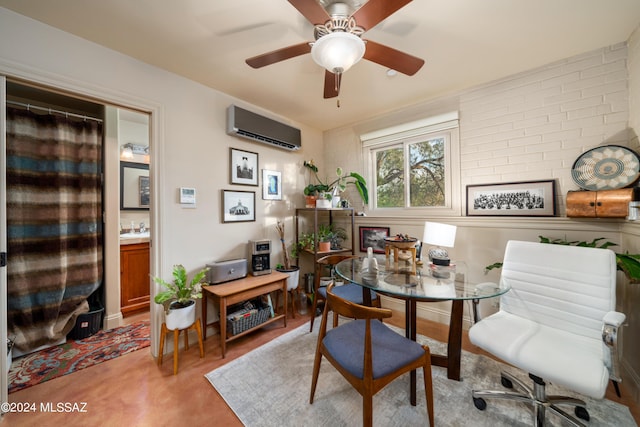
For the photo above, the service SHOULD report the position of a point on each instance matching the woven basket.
(235, 327)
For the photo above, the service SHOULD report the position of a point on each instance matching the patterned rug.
(53, 362)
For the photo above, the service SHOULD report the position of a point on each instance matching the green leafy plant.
(337, 185)
(627, 263)
(180, 291)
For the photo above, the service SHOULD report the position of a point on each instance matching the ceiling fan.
(338, 43)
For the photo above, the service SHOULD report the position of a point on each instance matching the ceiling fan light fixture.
(338, 51)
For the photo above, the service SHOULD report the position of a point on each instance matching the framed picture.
(143, 188)
(373, 237)
(271, 185)
(243, 166)
(238, 206)
(527, 198)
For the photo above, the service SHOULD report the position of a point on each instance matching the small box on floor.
(87, 324)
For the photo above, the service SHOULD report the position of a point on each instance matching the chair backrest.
(351, 310)
(563, 287)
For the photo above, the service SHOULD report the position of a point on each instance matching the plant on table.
(338, 185)
(180, 292)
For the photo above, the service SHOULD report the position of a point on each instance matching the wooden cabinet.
(600, 204)
(134, 278)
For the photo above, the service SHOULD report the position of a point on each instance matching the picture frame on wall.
(271, 185)
(238, 206)
(243, 167)
(526, 198)
(373, 237)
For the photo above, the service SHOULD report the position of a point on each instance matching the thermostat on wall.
(187, 196)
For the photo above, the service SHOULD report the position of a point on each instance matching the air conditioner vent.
(249, 125)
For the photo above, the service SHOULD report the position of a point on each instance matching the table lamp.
(438, 235)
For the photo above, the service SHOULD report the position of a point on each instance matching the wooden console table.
(240, 290)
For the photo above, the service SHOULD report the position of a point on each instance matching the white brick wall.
(634, 88)
(533, 125)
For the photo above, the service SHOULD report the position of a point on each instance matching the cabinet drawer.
(600, 204)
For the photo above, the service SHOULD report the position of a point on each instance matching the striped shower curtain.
(54, 223)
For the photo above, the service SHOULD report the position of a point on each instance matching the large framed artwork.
(271, 185)
(527, 198)
(238, 206)
(373, 237)
(243, 167)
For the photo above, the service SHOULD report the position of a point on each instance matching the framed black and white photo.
(243, 166)
(527, 198)
(238, 206)
(373, 237)
(271, 185)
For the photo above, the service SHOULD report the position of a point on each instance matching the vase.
(294, 276)
(309, 201)
(335, 202)
(180, 317)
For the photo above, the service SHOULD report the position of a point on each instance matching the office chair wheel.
(479, 403)
(506, 382)
(581, 412)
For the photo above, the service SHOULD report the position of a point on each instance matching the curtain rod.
(51, 110)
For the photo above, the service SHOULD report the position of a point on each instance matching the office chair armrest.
(611, 322)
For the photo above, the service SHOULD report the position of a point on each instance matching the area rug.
(270, 386)
(72, 356)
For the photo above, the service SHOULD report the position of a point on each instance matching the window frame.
(445, 125)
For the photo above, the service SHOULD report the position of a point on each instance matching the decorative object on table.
(403, 248)
(525, 198)
(74, 355)
(332, 189)
(439, 235)
(373, 237)
(629, 264)
(271, 185)
(178, 298)
(243, 167)
(238, 206)
(369, 264)
(292, 270)
(606, 168)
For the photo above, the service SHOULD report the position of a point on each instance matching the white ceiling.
(464, 43)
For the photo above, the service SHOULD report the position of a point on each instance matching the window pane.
(390, 178)
(426, 173)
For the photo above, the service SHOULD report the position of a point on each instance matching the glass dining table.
(429, 283)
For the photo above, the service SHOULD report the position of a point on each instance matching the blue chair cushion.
(390, 350)
(350, 292)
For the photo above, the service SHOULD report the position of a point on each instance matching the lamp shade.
(438, 234)
(337, 51)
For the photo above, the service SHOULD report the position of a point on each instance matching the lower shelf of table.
(265, 323)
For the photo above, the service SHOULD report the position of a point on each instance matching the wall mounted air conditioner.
(255, 127)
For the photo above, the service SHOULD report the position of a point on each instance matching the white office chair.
(558, 323)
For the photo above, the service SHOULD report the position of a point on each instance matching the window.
(410, 167)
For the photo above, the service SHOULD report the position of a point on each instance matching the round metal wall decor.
(606, 168)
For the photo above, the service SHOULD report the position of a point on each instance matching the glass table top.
(430, 282)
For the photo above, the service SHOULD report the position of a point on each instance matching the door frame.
(4, 360)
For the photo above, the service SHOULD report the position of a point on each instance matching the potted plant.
(292, 270)
(179, 297)
(338, 185)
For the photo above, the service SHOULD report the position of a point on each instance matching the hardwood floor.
(133, 390)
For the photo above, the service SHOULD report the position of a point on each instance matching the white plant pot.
(293, 279)
(181, 318)
(323, 203)
(335, 201)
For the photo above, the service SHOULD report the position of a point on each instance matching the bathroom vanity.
(134, 273)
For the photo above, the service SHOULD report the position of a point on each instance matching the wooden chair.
(349, 291)
(367, 353)
(176, 337)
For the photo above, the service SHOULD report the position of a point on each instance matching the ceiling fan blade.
(392, 58)
(331, 84)
(375, 11)
(311, 10)
(279, 55)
